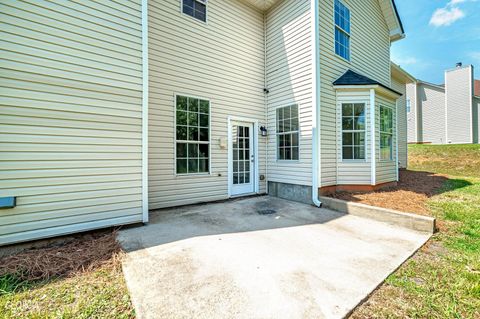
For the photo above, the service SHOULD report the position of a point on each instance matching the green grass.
(443, 279)
(96, 294)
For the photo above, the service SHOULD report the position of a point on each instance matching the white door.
(242, 166)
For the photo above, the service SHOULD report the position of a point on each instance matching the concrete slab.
(225, 260)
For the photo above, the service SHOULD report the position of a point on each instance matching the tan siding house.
(444, 114)
(111, 108)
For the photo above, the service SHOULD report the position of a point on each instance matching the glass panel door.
(242, 159)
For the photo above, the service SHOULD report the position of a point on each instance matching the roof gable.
(351, 78)
(392, 18)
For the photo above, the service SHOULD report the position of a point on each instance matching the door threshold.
(244, 195)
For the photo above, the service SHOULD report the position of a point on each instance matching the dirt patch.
(410, 195)
(87, 252)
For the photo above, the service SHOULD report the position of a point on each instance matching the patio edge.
(407, 220)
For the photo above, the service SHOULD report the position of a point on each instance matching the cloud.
(446, 16)
(475, 55)
(405, 60)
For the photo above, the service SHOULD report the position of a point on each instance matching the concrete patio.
(259, 257)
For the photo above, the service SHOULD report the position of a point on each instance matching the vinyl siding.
(400, 87)
(370, 55)
(70, 114)
(353, 172)
(476, 120)
(432, 101)
(223, 61)
(385, 169)
(289, 79)
(459, 105)
(412, 118)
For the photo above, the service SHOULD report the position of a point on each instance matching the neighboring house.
(400, 79)
(444, 114)
(112, 108)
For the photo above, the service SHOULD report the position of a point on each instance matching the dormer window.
(342, 30)
(195, 8)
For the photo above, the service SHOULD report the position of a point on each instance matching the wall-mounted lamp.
(263, 129)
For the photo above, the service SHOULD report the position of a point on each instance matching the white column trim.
(373, 139)
(145, 111)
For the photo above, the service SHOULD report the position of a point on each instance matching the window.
(353, 131)
(287, 133)
(342, 30)
(195, 8)
(386, 133)
(192, 135)
(408, 105)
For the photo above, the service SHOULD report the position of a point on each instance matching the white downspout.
(266, 97)
(373, 139)
(145, 111)
(315, 25)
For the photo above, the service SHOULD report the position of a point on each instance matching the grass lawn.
(80, 279)
(443, 279)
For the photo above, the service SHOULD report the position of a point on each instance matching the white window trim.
(193, 18)
(276, 135)
(353, 131)
(349, 34)
(392, 157)
(209, 173)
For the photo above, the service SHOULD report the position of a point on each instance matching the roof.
(401, 74)
(392, 18)
(351, 78)
(477, 88)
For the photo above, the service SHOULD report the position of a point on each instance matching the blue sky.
(439, 33)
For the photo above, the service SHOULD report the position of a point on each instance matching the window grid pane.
(353, 131)
(386, 133)
(342, 30)
(192, 135)
(241, 155)
(196, 9)
(288, 133)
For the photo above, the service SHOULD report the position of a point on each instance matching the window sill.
(193, 174)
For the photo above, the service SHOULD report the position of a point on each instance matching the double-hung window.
(342, 30)
(195, 8)
(386, 133)
(287, 133)
(353, 131)
(192, 131)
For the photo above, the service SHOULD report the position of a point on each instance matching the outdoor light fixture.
(263, 129)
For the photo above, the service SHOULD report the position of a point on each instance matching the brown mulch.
(85, 253)
(410, 195)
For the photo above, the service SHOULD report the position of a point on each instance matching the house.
(111, 109)
(444, 114)
(400, 79)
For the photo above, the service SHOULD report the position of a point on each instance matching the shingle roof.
(353, 78)
(477, 88)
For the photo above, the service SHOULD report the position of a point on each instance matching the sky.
(439, 33)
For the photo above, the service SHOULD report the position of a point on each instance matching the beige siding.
(70, 114)
(289, 79)
(400, 87)
(223, 61)
(412, 118)
(385, 169)
(459, 105)
(370, 55)
(476, 120)
(432, 101)
(353, 172)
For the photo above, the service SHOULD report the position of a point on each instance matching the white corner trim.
(396, 141)
(373, 139)
(145, 111)
(316, 157)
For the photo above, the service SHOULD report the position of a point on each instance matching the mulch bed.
(86, 252)
(410, 195)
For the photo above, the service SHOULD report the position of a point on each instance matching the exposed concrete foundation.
(411, 221)
(297, 193)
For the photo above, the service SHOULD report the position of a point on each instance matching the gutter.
(145, 111)
(315, 25)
